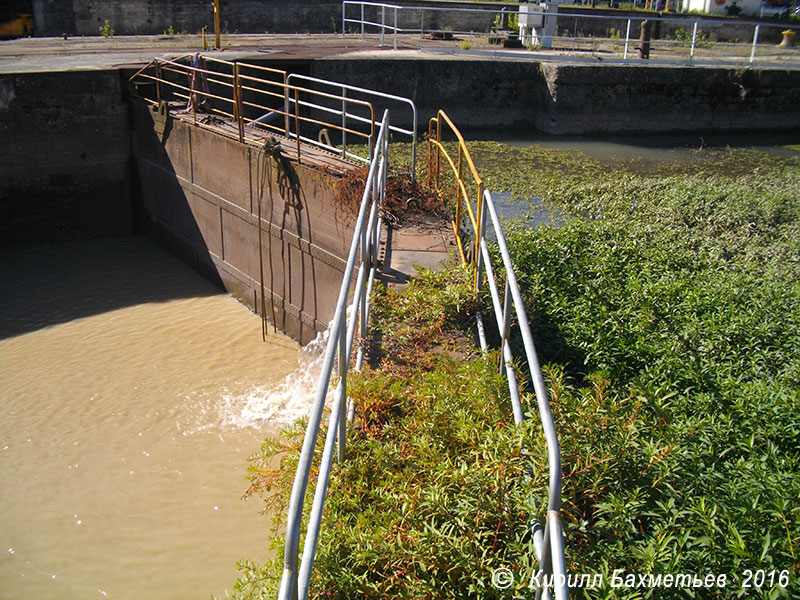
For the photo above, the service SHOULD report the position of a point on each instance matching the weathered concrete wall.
(583, 99)
(65, 143)
(200, 195)
(619, 98)
(85, 17)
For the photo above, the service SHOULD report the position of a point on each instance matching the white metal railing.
(548, 541)
(251, 98)
(693, 45)
(342, 91)
(366, 239)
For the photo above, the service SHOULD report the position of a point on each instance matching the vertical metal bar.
(627, 40)
(422, 23)
(344, 122)
(344, 360)
(383, 21)
(506, 314)
(216, 25)
(344, 6)
(395, 29)
(694, 40)
(237, 99)
(755, 41)
(285, 105)
(297, 122)
(479, 216)
(158, 81)
(362, 21)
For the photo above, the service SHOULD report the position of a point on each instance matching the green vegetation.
(666, 307)
(106, 30)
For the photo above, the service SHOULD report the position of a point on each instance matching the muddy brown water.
(133, 392)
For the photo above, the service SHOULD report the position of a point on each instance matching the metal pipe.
(627, 40)
(289, 580)
(694, 40)
(755, 40)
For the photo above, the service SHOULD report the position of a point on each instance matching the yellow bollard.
(205, 44)
(788, 39)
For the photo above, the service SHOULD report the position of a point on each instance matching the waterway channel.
(132, 393)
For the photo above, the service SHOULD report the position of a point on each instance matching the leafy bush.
(667, 309)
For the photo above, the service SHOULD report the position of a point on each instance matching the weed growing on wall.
(106, 30)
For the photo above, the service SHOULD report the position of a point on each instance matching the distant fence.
(670, 37)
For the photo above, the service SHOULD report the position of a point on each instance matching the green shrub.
(667, 311)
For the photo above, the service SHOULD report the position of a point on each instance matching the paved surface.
(96, 52)
(81, 53)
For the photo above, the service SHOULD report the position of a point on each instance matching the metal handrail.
(548, 541)
(371, 94)
(436, 151)
(752, 45)
(236, 83)
(342, 330)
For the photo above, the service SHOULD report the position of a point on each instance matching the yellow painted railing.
(467, 186)
(244, 94)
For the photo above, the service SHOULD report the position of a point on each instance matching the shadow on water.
(49, 284)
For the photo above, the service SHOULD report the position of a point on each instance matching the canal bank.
(65, 110)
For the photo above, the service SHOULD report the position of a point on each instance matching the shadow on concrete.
(50, 284)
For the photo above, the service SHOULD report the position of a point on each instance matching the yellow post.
(205, 44)
(216, 24)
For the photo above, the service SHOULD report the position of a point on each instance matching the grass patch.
(667, 310)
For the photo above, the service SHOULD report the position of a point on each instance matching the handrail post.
(362, 21)
(627, 40)
(297, 122)
(344, 122)
(755, 41)
(237, 102)
(383, 21)
(479, 216)
(158, 81)
(285, 104)
(395, 29)
(344, 361)
(421, 23)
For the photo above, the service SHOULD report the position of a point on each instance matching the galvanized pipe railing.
(737, 52)
(374, 96)
(236, 92)
(548, 541)
(548, 544)
(366, 238)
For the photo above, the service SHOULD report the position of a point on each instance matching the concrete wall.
(583, 99)
(200, 195)
(85, 17)
(65, 143)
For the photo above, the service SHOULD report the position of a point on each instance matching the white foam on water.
(278, 404)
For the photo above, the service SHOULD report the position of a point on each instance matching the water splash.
(281, 404)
